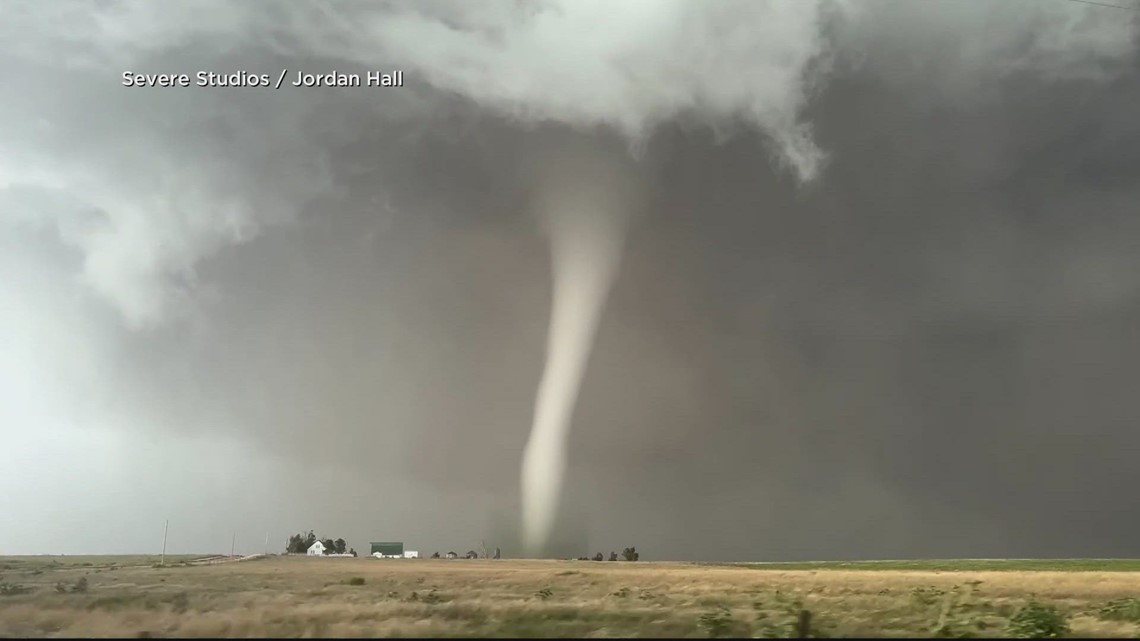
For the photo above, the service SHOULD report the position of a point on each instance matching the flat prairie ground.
(298, 596)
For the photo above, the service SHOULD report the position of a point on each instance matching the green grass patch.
(118, 601)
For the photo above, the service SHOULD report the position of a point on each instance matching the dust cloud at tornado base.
(926, 351)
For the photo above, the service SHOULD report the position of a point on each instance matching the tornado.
(585, 204)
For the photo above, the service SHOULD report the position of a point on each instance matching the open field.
(47, 562)
(300, 596)
(960, 565)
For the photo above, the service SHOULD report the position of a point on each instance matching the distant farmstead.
(316, 549)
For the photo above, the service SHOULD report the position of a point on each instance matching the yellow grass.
(313, 597)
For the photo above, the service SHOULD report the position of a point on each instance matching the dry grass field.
(296, 596)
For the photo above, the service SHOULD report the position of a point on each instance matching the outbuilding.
(388, 549)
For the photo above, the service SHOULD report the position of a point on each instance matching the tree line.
(629, 554)
(300, 544)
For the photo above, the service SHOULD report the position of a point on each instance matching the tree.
(293, 545)
(352, 551)
(435, 555)
(339, 544)
(630, 554)
(472, 554)
(598, 557)
(330, 545)
(300, 543)
(613, 556)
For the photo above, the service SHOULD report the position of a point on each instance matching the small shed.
(316, 549)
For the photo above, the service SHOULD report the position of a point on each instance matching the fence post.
(803, 625)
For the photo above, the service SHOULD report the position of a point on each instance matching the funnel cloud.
(585, 204)
(737, 280)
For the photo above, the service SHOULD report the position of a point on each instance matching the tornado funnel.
(585, 203)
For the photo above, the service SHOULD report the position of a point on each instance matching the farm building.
(388, 549)
(316, 549)
(411, 554)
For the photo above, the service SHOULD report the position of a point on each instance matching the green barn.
(388, 548)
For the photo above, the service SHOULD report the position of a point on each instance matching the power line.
(1106, 4)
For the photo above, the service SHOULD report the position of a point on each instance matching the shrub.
(716, 622)
(356, 580)
(1038, 621)
(926, 596)
(544, 594)
(10, 589)
(1121, 610)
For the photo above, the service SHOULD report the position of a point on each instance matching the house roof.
(388, 547)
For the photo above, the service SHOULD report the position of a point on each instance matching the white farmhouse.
(316, 549)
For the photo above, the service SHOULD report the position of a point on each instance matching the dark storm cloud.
(945, 318)
(927, 351)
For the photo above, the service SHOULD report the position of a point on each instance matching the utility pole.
(483, 545)
(233, 542)
(165, 529)
(267, 544)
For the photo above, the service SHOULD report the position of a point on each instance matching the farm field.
(960, 565)
(46, 562)
(298, 596)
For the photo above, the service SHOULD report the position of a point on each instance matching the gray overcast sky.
(880, 301)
